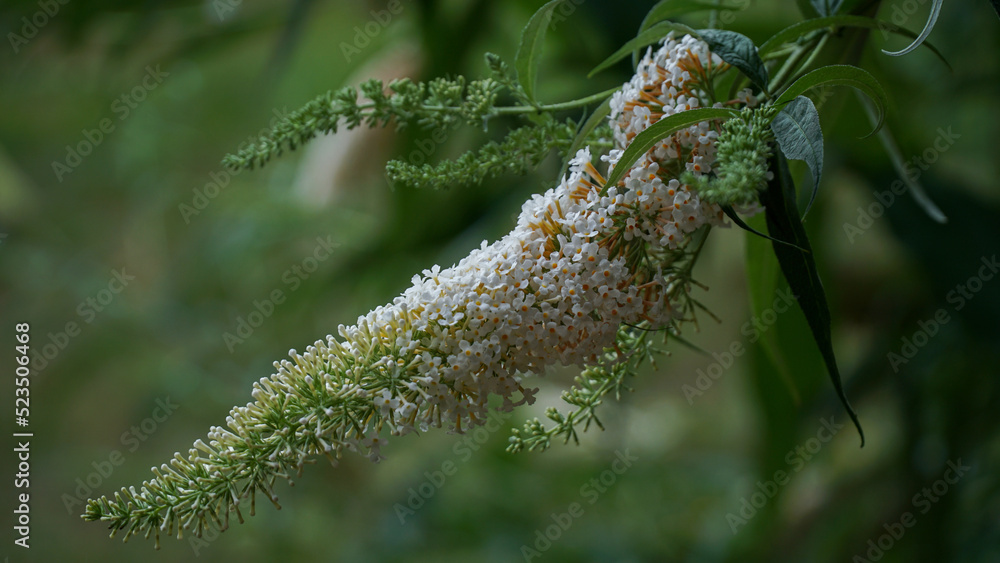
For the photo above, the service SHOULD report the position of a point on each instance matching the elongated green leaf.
(799, 267)
(931, 20)
(763, 275)
(739, 51)
(647, 37)
(827, 7)
(996, 6)
(666, 9)
(896, 156)
(799, 29)
(529, 50)
(657, 132)
(595, 119)
(845, 75)
(731, 213)
(797, 130)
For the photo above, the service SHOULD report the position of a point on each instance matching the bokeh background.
(228, 67)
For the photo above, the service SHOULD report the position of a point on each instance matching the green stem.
(560, 106)
(815, 52)
(792, 63)
(514, 110)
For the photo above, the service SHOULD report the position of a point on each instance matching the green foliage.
(799, 267)
(845, 75)
(529, 49)
(796, 129)
(659, 131)
(520, 151)
(743, 151)
(644, 38)
(434, 104)
(739, 51)
(928, 27)
(831, 24)
(666, 9)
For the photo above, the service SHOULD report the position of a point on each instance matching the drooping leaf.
(731, 213)
(931, 20)
(797, 130)
(529, 50)
(739, 51)
(646, 37)
(799, 29)
(763, 275)
(845, 75)
(896, 156)
(657, 132)
(799, 268)
(826, 7)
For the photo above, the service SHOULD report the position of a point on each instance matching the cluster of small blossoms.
(676, 77)
(553, 290)
(581, 262)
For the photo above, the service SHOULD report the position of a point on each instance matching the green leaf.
(763, 275)
(845, 75)
(529, 50)
(996, 6)
(826, 7)
(797, 30)
(647, 37)
(797, 130)
(657, 132)
(731, 213)
(666, 9)
(896, 156)
(595, 119)
(931, 20)
(739, 51)
(799, 267)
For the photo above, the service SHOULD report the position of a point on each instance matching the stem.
(557, 107)
(792, 63)
(513, 110)
(815, 53)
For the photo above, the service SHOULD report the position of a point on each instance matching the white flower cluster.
(674, 78)
(554, 290)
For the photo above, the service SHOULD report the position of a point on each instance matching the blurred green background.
(218, 71)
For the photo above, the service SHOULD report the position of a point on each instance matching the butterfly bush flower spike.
(581, 269)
